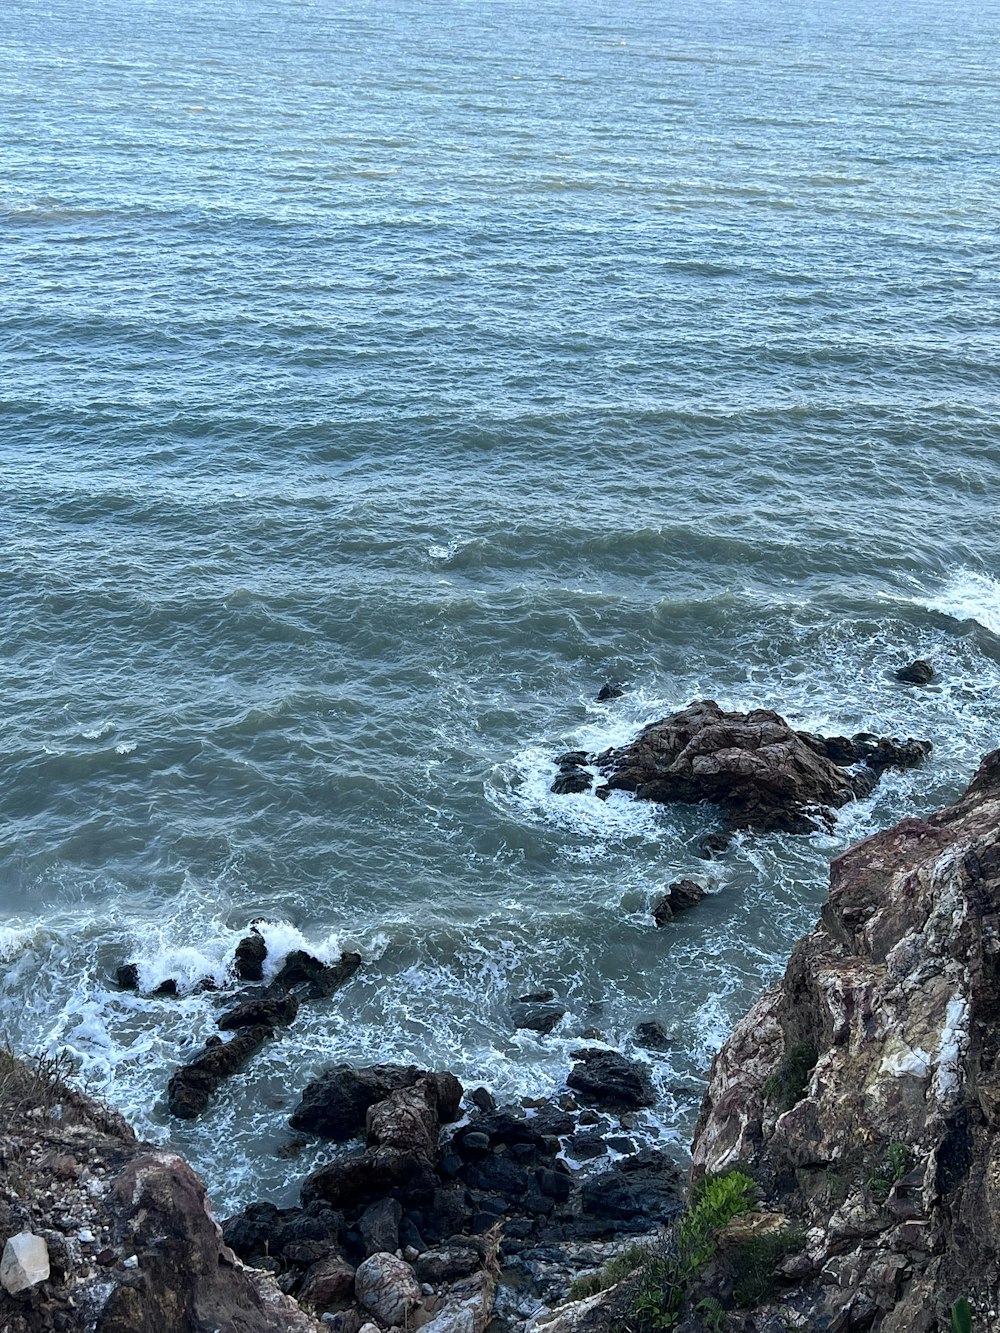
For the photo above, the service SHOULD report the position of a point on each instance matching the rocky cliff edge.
(863, 1091)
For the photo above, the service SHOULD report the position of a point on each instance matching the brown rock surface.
(132, 1244)
(763, 773)
(864, 1090)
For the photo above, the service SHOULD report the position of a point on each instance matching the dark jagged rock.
(127, 976)
(379, 1226)
(190, 1088)
(652, 1035)
(251, 1233)
(269, 1010)
(763, 774)
(483, 1099)
(645, 1188)
(893, 753)
(314, 980)
(919, 672)
(609, 690)
(570, 781)
(663, 913)
(684, 894)
(609, 1080)
(250, 954)
(401, 1134)
(335, 1104)
(573, 759)
(680, 897)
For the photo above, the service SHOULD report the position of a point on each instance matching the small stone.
(85, 1236)
(131, 1262)
(24, 1263)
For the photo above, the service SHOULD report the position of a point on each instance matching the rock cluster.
(763, 773)
(253, 1019)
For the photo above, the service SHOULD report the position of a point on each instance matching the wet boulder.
(269, 1010)
(611, 689)
(572, 781)
(680, 897)
(250, 954)
(192, 1085)
(312, 979)
(610, 1081)
(336, 1104)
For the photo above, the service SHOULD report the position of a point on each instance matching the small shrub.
(613, 1272)
(31, 1081)
(715, 1200)
(894, 1165)
(756, 1260)
(787, 1085)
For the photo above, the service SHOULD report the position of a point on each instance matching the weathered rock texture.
(864, 1090)
(763, 773)
(128, 1238)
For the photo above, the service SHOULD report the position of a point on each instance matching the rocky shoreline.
(854, 1105)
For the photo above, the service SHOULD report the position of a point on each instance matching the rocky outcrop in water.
(863, 1092)
(762, 773)
(254, 1019)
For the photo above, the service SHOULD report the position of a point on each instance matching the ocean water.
(380, 379)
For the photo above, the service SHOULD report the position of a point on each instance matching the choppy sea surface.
(380, 379)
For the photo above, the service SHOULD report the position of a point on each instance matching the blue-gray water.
(379, 379)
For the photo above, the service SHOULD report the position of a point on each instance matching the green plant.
(714, 1202)
(713, 1317)
(894, 1165)
(613, 1272)
(787, 1085)
(756, 1260)
(961, 1316)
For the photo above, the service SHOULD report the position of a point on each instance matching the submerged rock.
(652, 1035)
(765, 775)
(539, 1013)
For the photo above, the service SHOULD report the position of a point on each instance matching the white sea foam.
(967, 595)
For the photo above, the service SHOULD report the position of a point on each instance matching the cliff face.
(864, 1090)
(124, 1234)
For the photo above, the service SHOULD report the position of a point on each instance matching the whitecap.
(968, 595)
